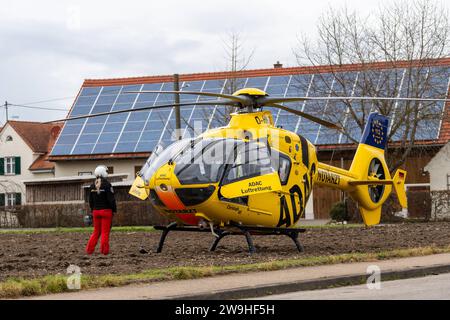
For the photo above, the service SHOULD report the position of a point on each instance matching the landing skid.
(247, 231)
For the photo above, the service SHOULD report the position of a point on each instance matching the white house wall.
(17, 148)
(439, 168)
(73, 168)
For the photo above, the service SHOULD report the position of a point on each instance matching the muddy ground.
(31, 255)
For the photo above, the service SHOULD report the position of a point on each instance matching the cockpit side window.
(251, 159)
(282, 164)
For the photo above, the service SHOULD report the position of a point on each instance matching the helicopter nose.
(170, 200)
(168, 197)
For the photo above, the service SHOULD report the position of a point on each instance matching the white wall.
(18, 148)
(309, 210)
(438, 168)
(72, 168)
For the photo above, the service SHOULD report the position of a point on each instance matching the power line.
(49, 100)
(37, 107)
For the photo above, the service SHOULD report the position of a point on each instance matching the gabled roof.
(36, 135)
(40, 137)
(265, 72)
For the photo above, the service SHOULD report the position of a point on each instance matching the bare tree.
(236, 59)
(407, 37)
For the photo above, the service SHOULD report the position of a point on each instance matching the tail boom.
(368, 180)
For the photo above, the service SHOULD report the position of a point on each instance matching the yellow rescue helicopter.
(251, 177)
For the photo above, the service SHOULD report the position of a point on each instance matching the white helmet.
(101, 171)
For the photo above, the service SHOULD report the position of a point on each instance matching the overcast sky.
(47, 48)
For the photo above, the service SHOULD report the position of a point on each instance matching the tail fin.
(399, 187)
(373, 182)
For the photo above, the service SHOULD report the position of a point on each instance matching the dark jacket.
(103, 200)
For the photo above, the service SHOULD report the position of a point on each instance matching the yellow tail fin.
(399, 187)
(373, 183)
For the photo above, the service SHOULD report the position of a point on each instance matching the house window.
(110, 170)
(85, 173)
(10, 165)
(9, 138)
(137, 169)
(10, 199)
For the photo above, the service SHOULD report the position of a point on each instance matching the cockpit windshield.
(211, 160)
(161, 156)
(204, 161)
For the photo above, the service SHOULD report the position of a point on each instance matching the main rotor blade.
(240, 99)
(384, 99)
(307, 116)
(268, 100)
(200, 103)
(264, 101)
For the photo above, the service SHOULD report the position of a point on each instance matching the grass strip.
(19, 287)
(141, 229)
(75, 230)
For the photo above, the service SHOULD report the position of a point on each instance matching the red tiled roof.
(263, 72)
(36, 135)
(42, 163)
(40, 137)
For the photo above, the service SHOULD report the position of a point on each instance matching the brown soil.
(31, 255)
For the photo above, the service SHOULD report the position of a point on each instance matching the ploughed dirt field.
(32, 255)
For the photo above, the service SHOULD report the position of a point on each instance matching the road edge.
(316, 284)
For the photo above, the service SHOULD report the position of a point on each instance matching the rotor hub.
(250, 97)
(250, 92)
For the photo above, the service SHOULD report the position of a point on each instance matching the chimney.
(278, 65)
(55, 131)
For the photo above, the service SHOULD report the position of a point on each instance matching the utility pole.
(176, 87)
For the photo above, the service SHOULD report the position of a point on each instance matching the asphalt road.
(431, 287)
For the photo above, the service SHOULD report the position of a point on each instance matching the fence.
(130, 213)
(440, 205)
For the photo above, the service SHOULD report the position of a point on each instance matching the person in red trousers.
(103, 206)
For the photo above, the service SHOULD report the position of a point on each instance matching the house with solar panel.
(123, 141)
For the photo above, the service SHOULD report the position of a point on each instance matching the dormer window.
(9, 138)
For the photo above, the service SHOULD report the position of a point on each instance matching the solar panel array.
(141, 131)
